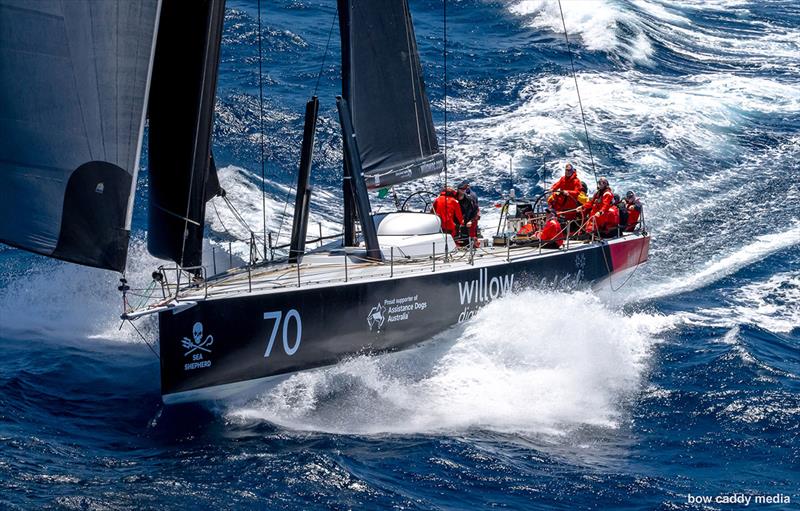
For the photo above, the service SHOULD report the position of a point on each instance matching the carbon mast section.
(73, 85)
(181, 112)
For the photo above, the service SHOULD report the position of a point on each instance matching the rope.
(630, 275)
(261, 129)
(580, 103)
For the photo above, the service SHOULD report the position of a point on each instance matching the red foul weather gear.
(571, 188)
(525, 230)
(634, 212)
(449, 211)
(551, 232)
(600, 203)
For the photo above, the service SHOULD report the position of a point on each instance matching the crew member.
(550, 236)
(634, 209)
(622, 208)
(599, 219)
(469, 209)
(448, 210)
(565, 193)
(584, 195)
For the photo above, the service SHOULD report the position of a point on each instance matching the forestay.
(383, 85)
(73, 82)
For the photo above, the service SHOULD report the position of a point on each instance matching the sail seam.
(75, 82)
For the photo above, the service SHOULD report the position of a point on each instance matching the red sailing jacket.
(449, 210)
(634, 211)
(551, 232)
(571, 185)
(602, 203)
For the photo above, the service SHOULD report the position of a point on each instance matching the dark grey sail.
(181, 112)
(382, 83)
(73, 86)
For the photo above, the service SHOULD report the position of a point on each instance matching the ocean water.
(683, 384)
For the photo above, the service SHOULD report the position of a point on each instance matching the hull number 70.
(283, 326)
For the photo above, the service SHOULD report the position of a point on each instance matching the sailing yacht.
(79, 80)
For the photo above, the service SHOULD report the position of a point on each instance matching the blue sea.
(681, 390)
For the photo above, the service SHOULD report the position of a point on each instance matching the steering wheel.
(422, 196)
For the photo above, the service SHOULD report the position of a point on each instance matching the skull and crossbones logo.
(197, 342)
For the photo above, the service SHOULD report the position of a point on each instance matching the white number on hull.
(276, 316)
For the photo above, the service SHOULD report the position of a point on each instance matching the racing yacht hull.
(218, 346)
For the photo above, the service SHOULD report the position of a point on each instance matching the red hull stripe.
(628, 254)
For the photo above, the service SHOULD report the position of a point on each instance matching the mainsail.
(73, 84)
(182, 172)
(382, 83)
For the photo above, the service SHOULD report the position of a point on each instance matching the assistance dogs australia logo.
(198, 348)
(376, 317)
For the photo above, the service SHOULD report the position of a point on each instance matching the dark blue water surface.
(685, 383)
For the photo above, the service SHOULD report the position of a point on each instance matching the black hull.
(256, 336)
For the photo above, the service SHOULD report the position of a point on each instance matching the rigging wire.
(580, 103)
(142, 337)
(327, 45)
(261, 131)
(444, 51)
(316, 88)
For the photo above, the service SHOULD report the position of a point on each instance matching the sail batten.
(73, 88)
(383, 84)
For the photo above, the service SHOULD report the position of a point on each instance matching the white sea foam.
(244, 192)
(534, 363)
(723, 266)
(694, 118)
(773, 305)
(597, 24)
(64, 301)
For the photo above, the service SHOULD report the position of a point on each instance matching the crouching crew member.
(601, 218)
(622, 207)
(448, 210)
(550, 236)
(634, 209)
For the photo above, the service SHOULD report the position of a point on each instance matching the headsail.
(382, 82)
(73, 88)
(182, 172)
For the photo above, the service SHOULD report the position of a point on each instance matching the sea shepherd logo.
(197, 347)
(482, 290)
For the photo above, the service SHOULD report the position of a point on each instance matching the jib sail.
(382, 83)
(73, 86)
(181, 168)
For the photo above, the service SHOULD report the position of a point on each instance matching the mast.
(303, 198)
(357, 185)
